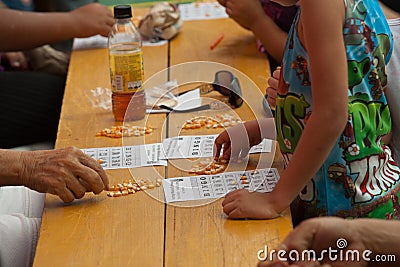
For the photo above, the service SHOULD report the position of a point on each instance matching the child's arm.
(320, 28)
(237, 141)
(321, 31)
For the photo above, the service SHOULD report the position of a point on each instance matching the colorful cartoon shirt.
(359, 178)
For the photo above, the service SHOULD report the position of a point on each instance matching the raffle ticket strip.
(215, 186)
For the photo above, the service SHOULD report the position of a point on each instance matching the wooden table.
(140, 230)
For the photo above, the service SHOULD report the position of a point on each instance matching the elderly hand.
(92, 19)
(67, 173)
(320, 234)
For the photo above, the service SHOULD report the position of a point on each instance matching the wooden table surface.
(140, 229)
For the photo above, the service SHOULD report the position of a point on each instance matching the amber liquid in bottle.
(126, 66)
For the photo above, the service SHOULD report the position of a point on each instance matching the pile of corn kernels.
(244, 180)
(132, 186)
(209, 167)
(219, 121)
(125, 131)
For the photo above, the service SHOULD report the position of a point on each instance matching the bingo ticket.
(200, 146)
(127, 156)
(202, 11)
(188, 146)
(215, 186)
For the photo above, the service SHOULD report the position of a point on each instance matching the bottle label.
(126, 72)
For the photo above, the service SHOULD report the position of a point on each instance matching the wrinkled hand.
(67, 173)
(92, 19)
(244, 204)
(321, 234)
(245, 13)
(272, 88)
(17, 60)
(237, 141)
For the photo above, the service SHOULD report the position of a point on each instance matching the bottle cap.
(122, 12)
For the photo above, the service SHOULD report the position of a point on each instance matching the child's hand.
(253, 205)
(237, 141)
(273, 87)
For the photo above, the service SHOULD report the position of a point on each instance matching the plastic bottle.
(126, 67)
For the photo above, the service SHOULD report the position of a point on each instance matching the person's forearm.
(21, 30)
(271, 36)
(10, 168)
(381, 237)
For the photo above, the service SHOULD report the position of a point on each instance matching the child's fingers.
(227, 153)
(271, 92)
(217, 150)
(222, 2)
(272, 102)
(276, 73)
(272, 84)
(228, 208)
(228, 197)
(235, 214)
(221, 140)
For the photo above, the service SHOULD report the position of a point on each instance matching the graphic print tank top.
(359, 178)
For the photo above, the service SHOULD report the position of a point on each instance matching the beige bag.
(162, 22)
(49, 60)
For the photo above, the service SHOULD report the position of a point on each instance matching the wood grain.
(98, 230)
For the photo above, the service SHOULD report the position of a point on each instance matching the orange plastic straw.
(216, 42)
